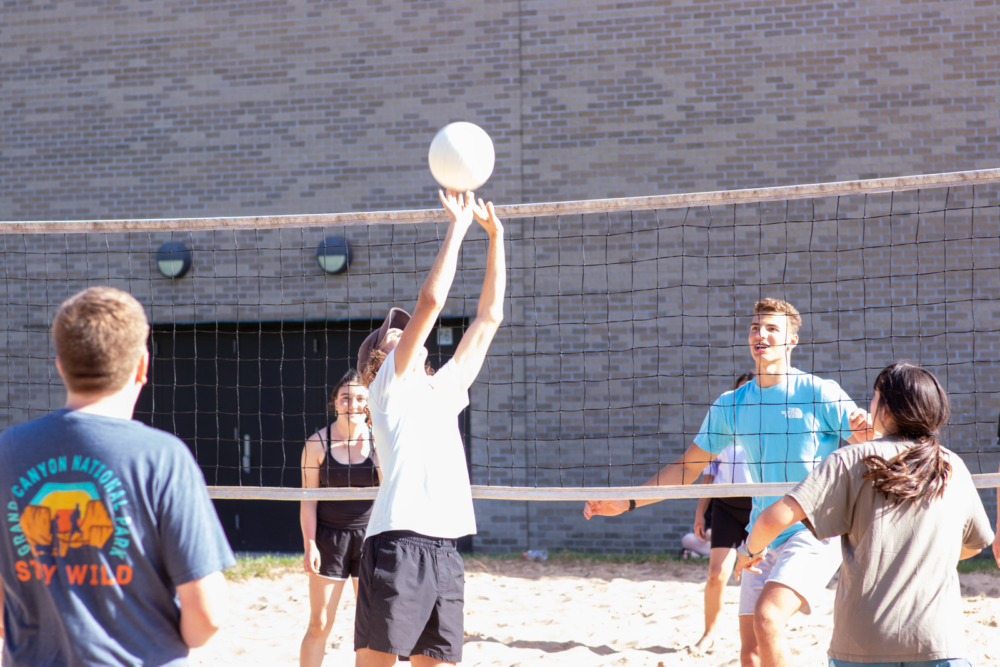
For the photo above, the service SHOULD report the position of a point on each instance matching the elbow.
(429, 301)
(493, 317)
(198, 633)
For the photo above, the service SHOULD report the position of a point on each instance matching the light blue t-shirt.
(785, 430)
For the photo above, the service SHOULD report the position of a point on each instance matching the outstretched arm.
(684, 470)
(436, 286)
(475, 343)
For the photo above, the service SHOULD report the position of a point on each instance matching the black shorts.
(339, 552)
(411, 597)
(730, 517)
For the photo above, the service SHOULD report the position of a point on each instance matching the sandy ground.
(564, 613)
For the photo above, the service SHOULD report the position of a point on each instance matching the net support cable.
(558, 210)
(517, 211)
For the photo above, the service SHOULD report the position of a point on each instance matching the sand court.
(563, 613)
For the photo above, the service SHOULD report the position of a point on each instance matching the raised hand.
(487, 217)
(604, 508)
(460, 207)
(861, 426)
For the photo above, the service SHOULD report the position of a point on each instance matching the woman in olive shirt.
(907, 511)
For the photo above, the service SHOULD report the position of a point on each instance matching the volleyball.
(461, 156)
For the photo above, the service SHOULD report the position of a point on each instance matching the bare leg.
(365, 657)
(427, 661)
(775, 606)
(324, 597)
(749, 651)
(720, 566)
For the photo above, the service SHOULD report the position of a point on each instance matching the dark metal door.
(245, 398)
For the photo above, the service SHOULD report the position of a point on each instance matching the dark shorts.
(411, 597)
(339, 552)
(730, 517)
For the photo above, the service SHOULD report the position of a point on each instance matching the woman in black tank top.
(340, 455)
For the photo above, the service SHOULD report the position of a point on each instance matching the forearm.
(684, 470)
(495, 282)
(968, 553)
(434, 291)
(772, 521)
(702, 508)
(204, 605)
(307, 518)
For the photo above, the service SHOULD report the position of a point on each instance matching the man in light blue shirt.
(787, 422)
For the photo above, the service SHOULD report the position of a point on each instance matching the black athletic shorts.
(730, 517)
(339, 552)
(411, 597)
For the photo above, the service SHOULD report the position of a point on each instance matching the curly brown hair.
(375, 360)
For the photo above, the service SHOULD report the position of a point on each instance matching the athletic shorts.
(953, 662)
(339, 552)
(730, 517)
(801, 563)
(411, 597)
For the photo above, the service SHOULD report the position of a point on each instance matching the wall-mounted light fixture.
(334, 254)
(173, 259)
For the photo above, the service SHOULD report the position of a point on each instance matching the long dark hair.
(350, 377)
(918, 407)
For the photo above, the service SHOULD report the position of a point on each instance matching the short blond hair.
(771, 306)
(100, 336)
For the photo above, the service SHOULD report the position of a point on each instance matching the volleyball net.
(624, 320)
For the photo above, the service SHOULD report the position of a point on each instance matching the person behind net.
(907, 511)
(729, 520)
(786, 421)
(410, 598)
(338, 456)
(139, 581)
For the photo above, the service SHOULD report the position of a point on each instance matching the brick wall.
(621, 329)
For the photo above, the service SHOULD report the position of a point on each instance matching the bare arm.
(204, 606)
(436, 286)
(996, 538)
(771, 522)
(475, 343)
(312, 454)
(684, 470)
(699, 514)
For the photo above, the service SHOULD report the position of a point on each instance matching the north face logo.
(792, 413)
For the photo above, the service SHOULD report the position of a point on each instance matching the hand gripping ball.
(461, 156)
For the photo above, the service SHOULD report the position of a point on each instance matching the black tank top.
(345, 514)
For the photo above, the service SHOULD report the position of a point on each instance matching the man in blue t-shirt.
(114, 553)
(787, 422)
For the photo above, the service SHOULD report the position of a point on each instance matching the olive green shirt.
(898, 597)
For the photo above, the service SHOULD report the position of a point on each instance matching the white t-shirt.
(425, 481)
(730, 467)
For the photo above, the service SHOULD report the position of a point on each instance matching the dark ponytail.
(918, 407)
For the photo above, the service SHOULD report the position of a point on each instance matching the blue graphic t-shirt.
(785, 430)
(105, 517)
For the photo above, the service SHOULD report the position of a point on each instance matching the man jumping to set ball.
(411, 589)
(787, 422)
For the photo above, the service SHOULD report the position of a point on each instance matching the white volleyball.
(461, 156)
